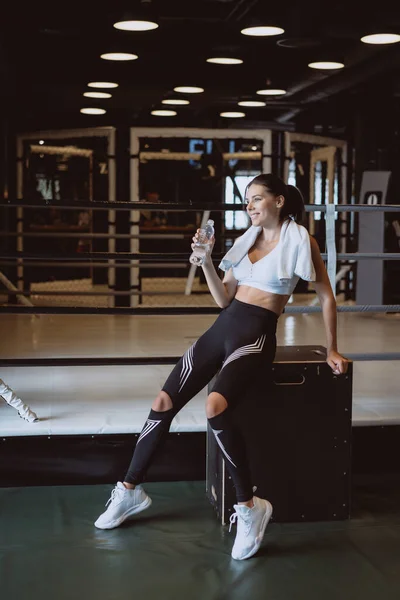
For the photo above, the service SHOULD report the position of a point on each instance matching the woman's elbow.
(223, 303)
(225, 300)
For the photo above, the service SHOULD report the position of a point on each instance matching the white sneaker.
(251, 525)
(123, 503)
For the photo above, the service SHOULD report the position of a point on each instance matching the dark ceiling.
(49, 52)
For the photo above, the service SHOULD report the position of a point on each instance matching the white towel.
(294, 251)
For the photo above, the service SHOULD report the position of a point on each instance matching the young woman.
(262, 270)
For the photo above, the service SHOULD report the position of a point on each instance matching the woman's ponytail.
(294, 204)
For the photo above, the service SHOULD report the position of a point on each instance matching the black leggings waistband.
(243, 309)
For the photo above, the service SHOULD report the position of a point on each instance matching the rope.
(357, 308)
(179, 256)
(175, 207)
(187, 310)
(146, 360)
(373, 356)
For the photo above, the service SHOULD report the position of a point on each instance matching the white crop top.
(263, 274)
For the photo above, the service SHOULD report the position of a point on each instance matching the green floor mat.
(49, 549)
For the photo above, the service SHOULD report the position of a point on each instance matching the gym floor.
(176, 550)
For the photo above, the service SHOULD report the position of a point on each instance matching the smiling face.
(263, 207)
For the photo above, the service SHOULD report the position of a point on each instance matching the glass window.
(292, 172)
(237, 219)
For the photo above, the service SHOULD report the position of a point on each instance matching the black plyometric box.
(297, 427)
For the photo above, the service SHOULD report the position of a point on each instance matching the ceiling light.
(119, 56)
(232, 115)
(92, 111)
(164, 113)
(41, 142)
(271, 92)
(175, 101)
(187, 89)
(326, 65)
(97, 95)
(136, 25)
(252, 103)
(262, 31)
(225, 61)
(381, 38)
(102, 84)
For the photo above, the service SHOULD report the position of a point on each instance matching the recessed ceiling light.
(102, 84)
(97, 95)
(271, 92)
(175, 101)
(164, 113)
(252, 103)
(232, 115)
(381, 38)
(119, 56)
(262, 31)
(92, 111)
(326, 65)
(187, 89)
(136, 25)
(225, 61)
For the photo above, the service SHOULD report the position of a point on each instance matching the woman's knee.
(162, 403)
(215, 405)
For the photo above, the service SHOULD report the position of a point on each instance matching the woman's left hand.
(337, 363)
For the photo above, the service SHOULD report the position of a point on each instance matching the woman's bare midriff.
(250, 295)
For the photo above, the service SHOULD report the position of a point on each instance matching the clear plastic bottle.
(203, 246)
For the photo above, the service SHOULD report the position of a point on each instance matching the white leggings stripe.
(150, 425)
(255, 348)
(187, 366)
(220, 444)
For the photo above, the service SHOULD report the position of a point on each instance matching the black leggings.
(239, 348)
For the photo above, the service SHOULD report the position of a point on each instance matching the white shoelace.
(245, 520)
(113, 496)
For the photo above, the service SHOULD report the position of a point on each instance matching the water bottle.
(203, 246)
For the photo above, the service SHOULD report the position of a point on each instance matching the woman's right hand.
(195, 239)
